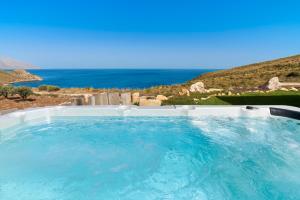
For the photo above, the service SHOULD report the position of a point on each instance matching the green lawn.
(272, 98)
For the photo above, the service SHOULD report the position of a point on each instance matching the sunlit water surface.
(91, 158)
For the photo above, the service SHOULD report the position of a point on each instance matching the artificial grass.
(290, 98)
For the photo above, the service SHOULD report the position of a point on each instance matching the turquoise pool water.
(91, 158)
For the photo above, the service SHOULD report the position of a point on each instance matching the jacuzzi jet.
(251, 108)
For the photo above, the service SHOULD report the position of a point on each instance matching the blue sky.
(148, 33)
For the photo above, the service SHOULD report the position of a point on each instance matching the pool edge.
(45, 113)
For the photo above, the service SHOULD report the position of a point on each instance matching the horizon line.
(129, 67)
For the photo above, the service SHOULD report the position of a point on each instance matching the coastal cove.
(112, 78)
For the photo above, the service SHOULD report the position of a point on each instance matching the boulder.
(198, 87)
(284, 89)
(184, 91)
(205, 98)
(214, 90)
(196, 100)
(114, 98)
(161, 97)
(293, 89)
(126, 98)
(101, 99)
(274, 83)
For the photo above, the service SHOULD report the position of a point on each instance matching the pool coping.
(13, 118)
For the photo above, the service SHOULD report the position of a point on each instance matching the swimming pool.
(125, 152)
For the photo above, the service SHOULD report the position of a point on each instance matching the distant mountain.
(9, 63)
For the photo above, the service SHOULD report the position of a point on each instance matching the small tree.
(6, 90)
(24, 92)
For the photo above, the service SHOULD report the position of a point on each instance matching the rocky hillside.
(18, 75)
(254, 75)
(5, 77)
(9, 63)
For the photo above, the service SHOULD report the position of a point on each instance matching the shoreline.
(114, 78)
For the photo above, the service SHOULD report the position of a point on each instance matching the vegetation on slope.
(5, 77)
(248, 77)
(254, 98)
(254, 75)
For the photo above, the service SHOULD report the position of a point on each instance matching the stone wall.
(116, 98)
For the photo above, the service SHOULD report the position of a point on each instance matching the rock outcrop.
(214, 90)
(198, 87)
(274, 84)
(184, 91)
(161, 97)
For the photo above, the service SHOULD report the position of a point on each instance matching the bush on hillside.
(48, 88)
(52, 88)
(6, 90)
(293, 74)
(24, 92)
(42, 88)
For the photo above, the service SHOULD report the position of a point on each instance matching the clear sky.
(148, 33)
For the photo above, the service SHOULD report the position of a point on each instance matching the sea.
(113, 78)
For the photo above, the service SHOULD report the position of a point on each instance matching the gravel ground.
(32, 101)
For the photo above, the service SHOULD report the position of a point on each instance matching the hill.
(5, 77)
(9, 63)
(254, 75)
(18, 75)
(243, 78)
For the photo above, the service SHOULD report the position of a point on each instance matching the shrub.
(293, 74)
(6, 90)
(52, 88)
(42, 87)
(48, 88)
(24, 92)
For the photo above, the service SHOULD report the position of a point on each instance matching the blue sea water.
(150, 158)
(113, 78)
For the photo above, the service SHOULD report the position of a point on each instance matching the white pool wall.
(45, 114)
